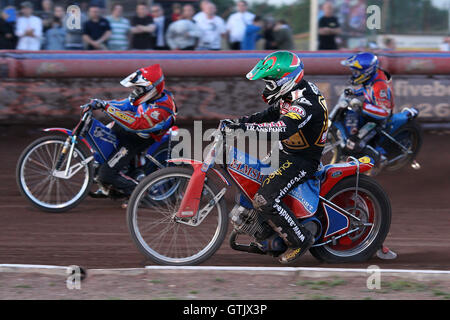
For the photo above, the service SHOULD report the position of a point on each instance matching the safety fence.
(39, 85)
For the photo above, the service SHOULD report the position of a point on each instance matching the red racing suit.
(149, 119)
(139, 127)
(378, 96)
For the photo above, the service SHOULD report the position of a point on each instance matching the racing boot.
(292, 254)
(297, 246)
(122, 185)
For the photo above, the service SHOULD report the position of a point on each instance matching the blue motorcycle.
(55, 173)
(397, 141)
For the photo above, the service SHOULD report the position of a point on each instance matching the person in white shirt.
(28, 29)
(213, 29)
(445, 46)
(237, 23)
(201, 14)
(183, 34)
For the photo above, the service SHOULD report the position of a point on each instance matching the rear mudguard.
(334, 173)
(191, 200)
(69, 133)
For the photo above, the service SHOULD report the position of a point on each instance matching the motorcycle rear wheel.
(409, 136)
(361, 245)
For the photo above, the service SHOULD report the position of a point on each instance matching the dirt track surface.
(94, 235)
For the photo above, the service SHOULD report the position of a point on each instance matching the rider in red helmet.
(141, 119)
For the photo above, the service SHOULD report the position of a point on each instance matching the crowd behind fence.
(188, 26)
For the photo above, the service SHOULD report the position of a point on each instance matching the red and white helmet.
(148, 83)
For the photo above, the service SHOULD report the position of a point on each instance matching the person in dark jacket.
(7, 37)
(96, 31)
(282, 34)
(142, 29)
(162, 23)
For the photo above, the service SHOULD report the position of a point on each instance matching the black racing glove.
(97, 104)
(349, 92)
(232, 124)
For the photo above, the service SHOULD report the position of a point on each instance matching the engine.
(249, 222)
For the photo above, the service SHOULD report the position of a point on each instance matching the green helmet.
(281, 71)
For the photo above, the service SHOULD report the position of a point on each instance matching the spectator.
(7, 39)
(55, 36)
(46, 14)
(389, 44)
(142, 29)
(445, 46)
(282, 34)
(28, 28)
(268, 34)
(236, 24)
(101, 4)
(161, 23)
(74, 36)
(202, 13)
(59, 12)
(96, 30)
(213, 29)
(176, 12)
(329, 28)
(120, 28)
(184, 33)
(252, 34)
(11, 12)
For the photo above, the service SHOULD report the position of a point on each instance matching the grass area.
(441, 294)
(320, 284)
(23, 286)
(319, 297)
(155, 281)
(403, 285)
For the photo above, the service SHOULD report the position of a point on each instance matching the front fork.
(64, 152)
(69, 147)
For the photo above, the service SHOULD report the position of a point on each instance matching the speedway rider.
(298, 111)
(143, 118)
(378, 104)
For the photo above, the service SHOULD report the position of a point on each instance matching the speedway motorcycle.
(399, 139)
(55, 173)
(178, 215)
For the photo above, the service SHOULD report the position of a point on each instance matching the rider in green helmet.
(298, 112)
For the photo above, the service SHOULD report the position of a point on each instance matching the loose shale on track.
(95, 235)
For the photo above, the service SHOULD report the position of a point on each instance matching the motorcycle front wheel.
(165, 239)
(37, 182)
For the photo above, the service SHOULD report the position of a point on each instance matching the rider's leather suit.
(378, 105)
(137, 127)
(301, 119)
